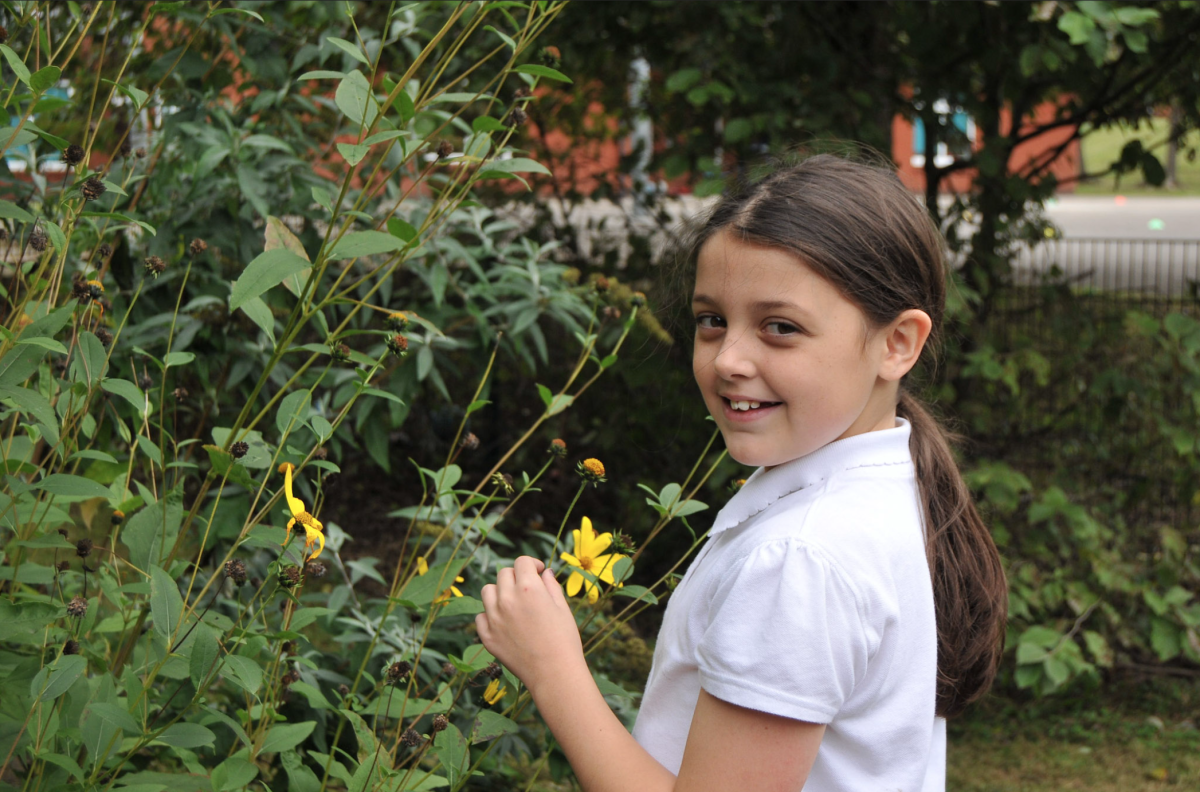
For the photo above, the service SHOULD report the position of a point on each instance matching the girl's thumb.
(556, 592)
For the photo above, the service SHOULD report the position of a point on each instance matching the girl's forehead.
(729, 265)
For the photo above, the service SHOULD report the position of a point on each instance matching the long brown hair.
(858, 227)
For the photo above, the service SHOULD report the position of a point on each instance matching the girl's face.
(776, 338)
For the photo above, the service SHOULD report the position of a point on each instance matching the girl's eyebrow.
(760, 306)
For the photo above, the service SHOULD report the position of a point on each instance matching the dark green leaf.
(543, 71)
(67, 486)
(267, 270)
(365, 243)
(44, 78)
(490, 725)
(187, 735)
(166, 604)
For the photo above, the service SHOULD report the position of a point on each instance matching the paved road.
(1117, 217)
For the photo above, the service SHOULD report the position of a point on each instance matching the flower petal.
(295, 505)
(600, 544)
(313, 536)
(593, 593)
(454, 590)
(422, 565)
(570, 559)
(605, 565)
(574, 582)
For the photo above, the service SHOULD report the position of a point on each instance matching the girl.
(849, 597)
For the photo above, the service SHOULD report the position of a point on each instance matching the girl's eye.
(782, 328)
(708, 321)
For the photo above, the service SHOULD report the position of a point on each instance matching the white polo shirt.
(812, 600)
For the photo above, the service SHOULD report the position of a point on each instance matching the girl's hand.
(527, 623)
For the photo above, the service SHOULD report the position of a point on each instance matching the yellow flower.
(588, 547)
(494, 692)
(423, 567)
(595, 467)
(312, 526)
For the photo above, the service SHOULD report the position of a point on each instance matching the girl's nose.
(734, 360)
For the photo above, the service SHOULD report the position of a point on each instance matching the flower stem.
(567, 516)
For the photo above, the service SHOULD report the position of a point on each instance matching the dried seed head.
(144, 382)
(289, 648)
(397, 672)
(637, 300)
(180, 394)
(315, 570)
(71, 647)
(517, 116)
(235, 570)
(343, 690)
(551, 56)
(289, 576)
(73, 154)
(493, 671)
(197, 247)
(3, 34)
(3, 233)
(63, 533)
(92, 188)
(321, 453)
(126, 148)
(155, 266)
(600, 284)
(558, 447)
(470, 441)
(104, 251)
(83, 548)
(239, 449)
(140, 153)
(522, 93)
(448, 669)
(38, 240)
(340, 353)
(411, 738)
(623, 543)
(611, 313)
(63, 566)
(397, 345)
(440, 722)
(503, 481)
(77, 607)
(105, 337)
(118, 517)
(445, 149)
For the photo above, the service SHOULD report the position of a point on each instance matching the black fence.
(1069, 302)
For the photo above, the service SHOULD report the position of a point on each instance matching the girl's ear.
(903, 340)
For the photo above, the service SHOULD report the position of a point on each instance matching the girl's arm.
(528, 626)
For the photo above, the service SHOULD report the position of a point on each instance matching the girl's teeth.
(744, 405)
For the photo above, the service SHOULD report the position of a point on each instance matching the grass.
(1103, 146)
(1131, 736)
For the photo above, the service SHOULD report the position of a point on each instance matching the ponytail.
(970, 594)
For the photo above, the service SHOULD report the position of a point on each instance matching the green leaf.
(13, 212)
(261, 315)
(477, 405)
(89, 363)
(15, 62)
(44, 78)
(322, 75)
(306, 616)
(422, 589)
(33, 403)
(542, 71)
(235, 772)
(636, 592)
(515, 165)
(285, 736)
(546, 394)
(187, 735)
(126, 390)
(487, 124)
(561, 402)
(401, 229)
(178, 359)
(57, 238)
(148, 532)
(349, 49)
(166, 605)
(490, 725)
(507, 40)
(247, 673)
(25, 618)
(204, 654)
(62, 674)
(293, 411)
(353, 97)
(265, 271)
(365, 243)
(245, 11)
(353, 153)
(1076, 25)
(67, 486)
(323, 198)
(1165, 639)
(117, 716)
(65, 762)
(450, 747)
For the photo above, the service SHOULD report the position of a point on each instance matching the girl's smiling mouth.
(742, 410)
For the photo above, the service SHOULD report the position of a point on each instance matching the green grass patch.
(1102, 147)
(1129, 736)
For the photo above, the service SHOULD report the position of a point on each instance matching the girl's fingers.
(488, 596)
(556, 592)
(505, 580)
(526, 569)
(483, 628)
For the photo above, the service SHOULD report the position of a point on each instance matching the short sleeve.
(785, 635)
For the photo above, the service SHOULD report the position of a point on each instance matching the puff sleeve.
(787, 634)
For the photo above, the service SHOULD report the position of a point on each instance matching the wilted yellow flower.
(312, 526)
(494, 692)
(588, 547)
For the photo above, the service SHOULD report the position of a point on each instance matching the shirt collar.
(764, 487)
